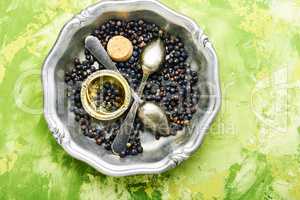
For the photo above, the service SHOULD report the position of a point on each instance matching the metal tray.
(158, 156)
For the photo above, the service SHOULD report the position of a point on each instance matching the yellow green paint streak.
(252, 150)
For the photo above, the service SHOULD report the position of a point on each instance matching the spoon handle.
(92, 44)
(143, 83)
(120, 142)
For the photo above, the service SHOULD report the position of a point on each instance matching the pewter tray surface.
(159, 155)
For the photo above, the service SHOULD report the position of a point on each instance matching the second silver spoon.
(151, 59)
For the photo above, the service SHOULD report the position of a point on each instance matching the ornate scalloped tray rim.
(60, 132)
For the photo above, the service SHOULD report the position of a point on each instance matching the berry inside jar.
(174, 87)
(108, 97)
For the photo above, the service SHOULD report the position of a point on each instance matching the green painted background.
(251, 152)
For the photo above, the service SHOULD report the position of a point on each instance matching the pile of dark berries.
(109, 97)
(174, 87)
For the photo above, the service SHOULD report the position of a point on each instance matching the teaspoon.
(152, 57)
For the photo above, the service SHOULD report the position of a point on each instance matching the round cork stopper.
(119, 48)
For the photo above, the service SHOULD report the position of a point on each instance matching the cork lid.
(119, 48)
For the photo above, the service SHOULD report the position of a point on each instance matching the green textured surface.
(251, 152)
